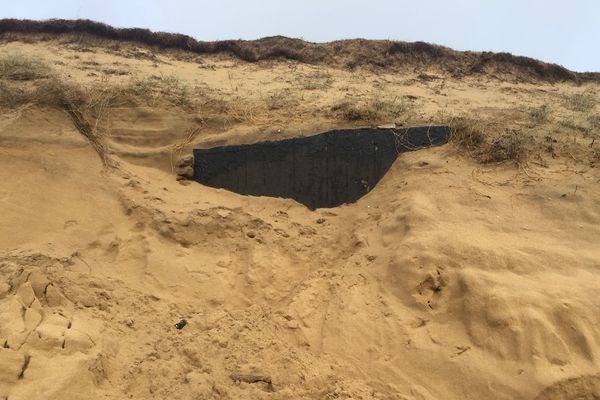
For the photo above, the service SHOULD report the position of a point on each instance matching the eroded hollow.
(325, 170)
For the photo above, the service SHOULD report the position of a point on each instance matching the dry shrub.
(285, 53)
(510, 146)
(18, 67)
(525, 68)
(470, 135)
(467, 134)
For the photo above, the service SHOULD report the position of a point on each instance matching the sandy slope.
(450, 280)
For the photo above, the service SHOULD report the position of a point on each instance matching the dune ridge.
(352, 53)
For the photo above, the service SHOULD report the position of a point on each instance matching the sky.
(558, 31)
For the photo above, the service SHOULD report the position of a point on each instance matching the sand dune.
(451, 279)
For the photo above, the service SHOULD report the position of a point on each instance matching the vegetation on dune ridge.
(28, 80)
(347, 53)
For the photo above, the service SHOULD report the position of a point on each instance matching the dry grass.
(540, 115)
(574, 124)
(281, 100)
(216, 104)
(594, 121)
(11, 95)
(467, 134)
(581, 102)
(17, 67)
(509, 146)
(87, 107)
(159, 90)
(115, 71)
(28, 81)
(15, 72)
(316, 81)
(48, 89)
(389, 108)
(595, 158)
(55, 92)
(471, 136)
(378, 109)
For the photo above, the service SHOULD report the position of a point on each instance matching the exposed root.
(85, 128)
(25, 366)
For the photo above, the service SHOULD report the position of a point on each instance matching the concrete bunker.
(325, 170)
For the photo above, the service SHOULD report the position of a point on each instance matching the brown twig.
(191, 134)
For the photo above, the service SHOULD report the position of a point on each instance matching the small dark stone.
(181, 324)
(251, 235)
(320, 220)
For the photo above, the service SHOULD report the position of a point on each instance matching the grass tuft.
(594, 121)
(12, 96)
(376, 110)
(317, 81)
(18, 67)
(540, 115)
(469, 135)
(158, 89)
(581, 102)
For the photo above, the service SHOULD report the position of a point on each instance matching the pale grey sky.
(559, 31)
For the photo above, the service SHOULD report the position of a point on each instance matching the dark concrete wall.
(325, 170)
